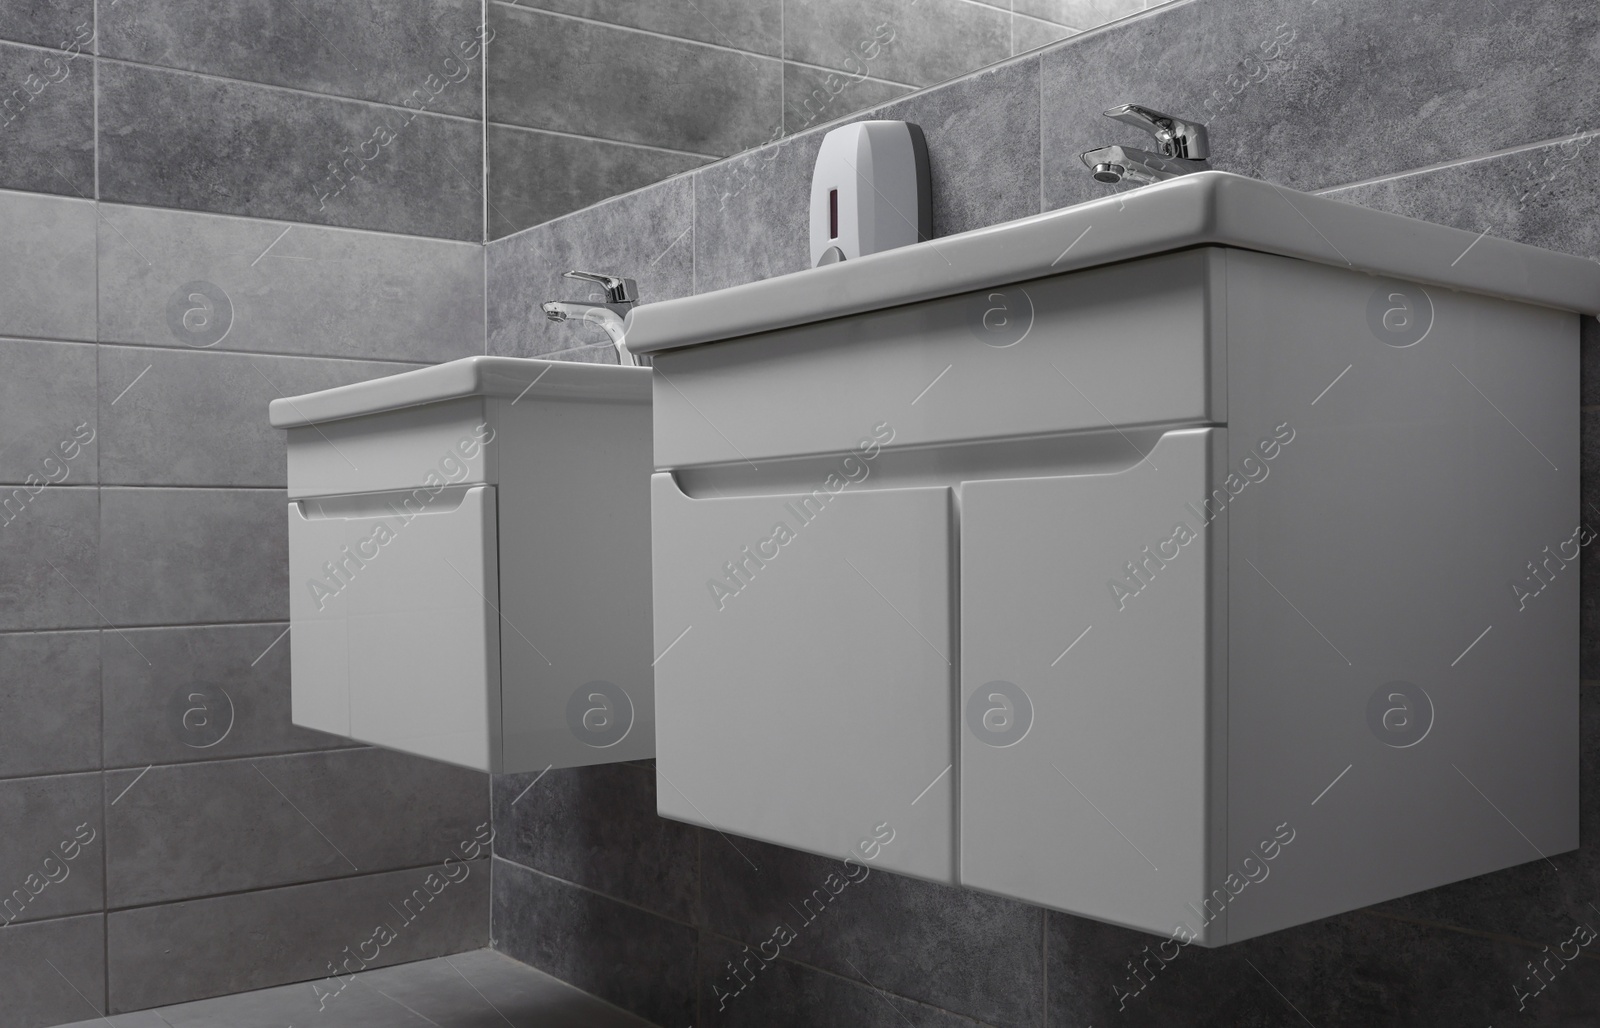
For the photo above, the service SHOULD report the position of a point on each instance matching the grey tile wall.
(47, 117)
(45, 22)
(48, 253)
(53, 972)
(53, 848)
(49, 702)
(47, 412)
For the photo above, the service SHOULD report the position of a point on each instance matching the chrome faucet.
(1183, 149)
(621, 295)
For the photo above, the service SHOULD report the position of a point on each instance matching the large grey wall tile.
(559, 73)
(46, 22)
(640, 962)
(47, 412)
(366, 49)
(922, 42)
(52, 972)
(784, 992)
(1080, 14)
(647, 236)
(953, 948)
(201, 829)
(174, 139)
(210, 947)
(47, 119)
(755, 25)
(812, 96)
(1343, 91)
(597, 826)
(299, 289)
(537, 176)
(47, 266)
(49, 702)
(49, 558)
(182, 694)
(53, 848)
(190, 417)
(1031, 33)
(753, 214)
(184, 556)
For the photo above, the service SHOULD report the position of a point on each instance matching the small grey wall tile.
(200, 418)
(597, 826)
(784, 992)
(1308, 95)
(192, 830)
(47, 266)
(753, 214)
(953, 948)
(299, 289)
(49, 702)
(563, 74)
(49, 557)
(186, 556)
(537, 176)
(365, 49)
(47, 412)
(174, 695)
(1031, 33)
(47, 119)
(1080, 14)
(185, 951)
(46, 22)
(642, 963)
(53, 848)
(647, 236)
(174, 139)
(53, 972)
(921, 42)
(813, 97)
(755, 25)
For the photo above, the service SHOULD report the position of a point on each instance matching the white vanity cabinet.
(1151, 560)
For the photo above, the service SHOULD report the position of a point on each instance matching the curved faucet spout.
(615, 325)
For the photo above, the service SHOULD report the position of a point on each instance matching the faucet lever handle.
(618, 290)
(1178, 138)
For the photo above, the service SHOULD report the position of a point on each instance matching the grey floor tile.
(559, 73)
(597, 826)
(175, 139)
(47, 118)
(1313, 96)
(47, 266)
(193, 556)
(956, 949)
(812, 96)
(781, 992)
(364, 49)
(755, 25)
(922, 42)
(272, 287)
(53, 848)
(45, 22)
(643, 963)
(49, 702)
(647, 236)
(537, 176)
(185, 417)
(52, 972)
(180, 952)
(49, 557)
(211, 693)
(47, 412)
(192, 830)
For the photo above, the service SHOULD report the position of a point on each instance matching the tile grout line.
(562, 134)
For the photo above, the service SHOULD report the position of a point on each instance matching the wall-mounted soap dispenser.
(870, 191)
(469, 562)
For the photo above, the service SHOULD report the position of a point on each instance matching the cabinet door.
(804, 689)
(1090, 665)
(394, 639)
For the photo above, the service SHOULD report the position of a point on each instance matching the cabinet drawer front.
(394, 640)
(1088, 688)
(1138, 343)
(437, 444)
(805, 698)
